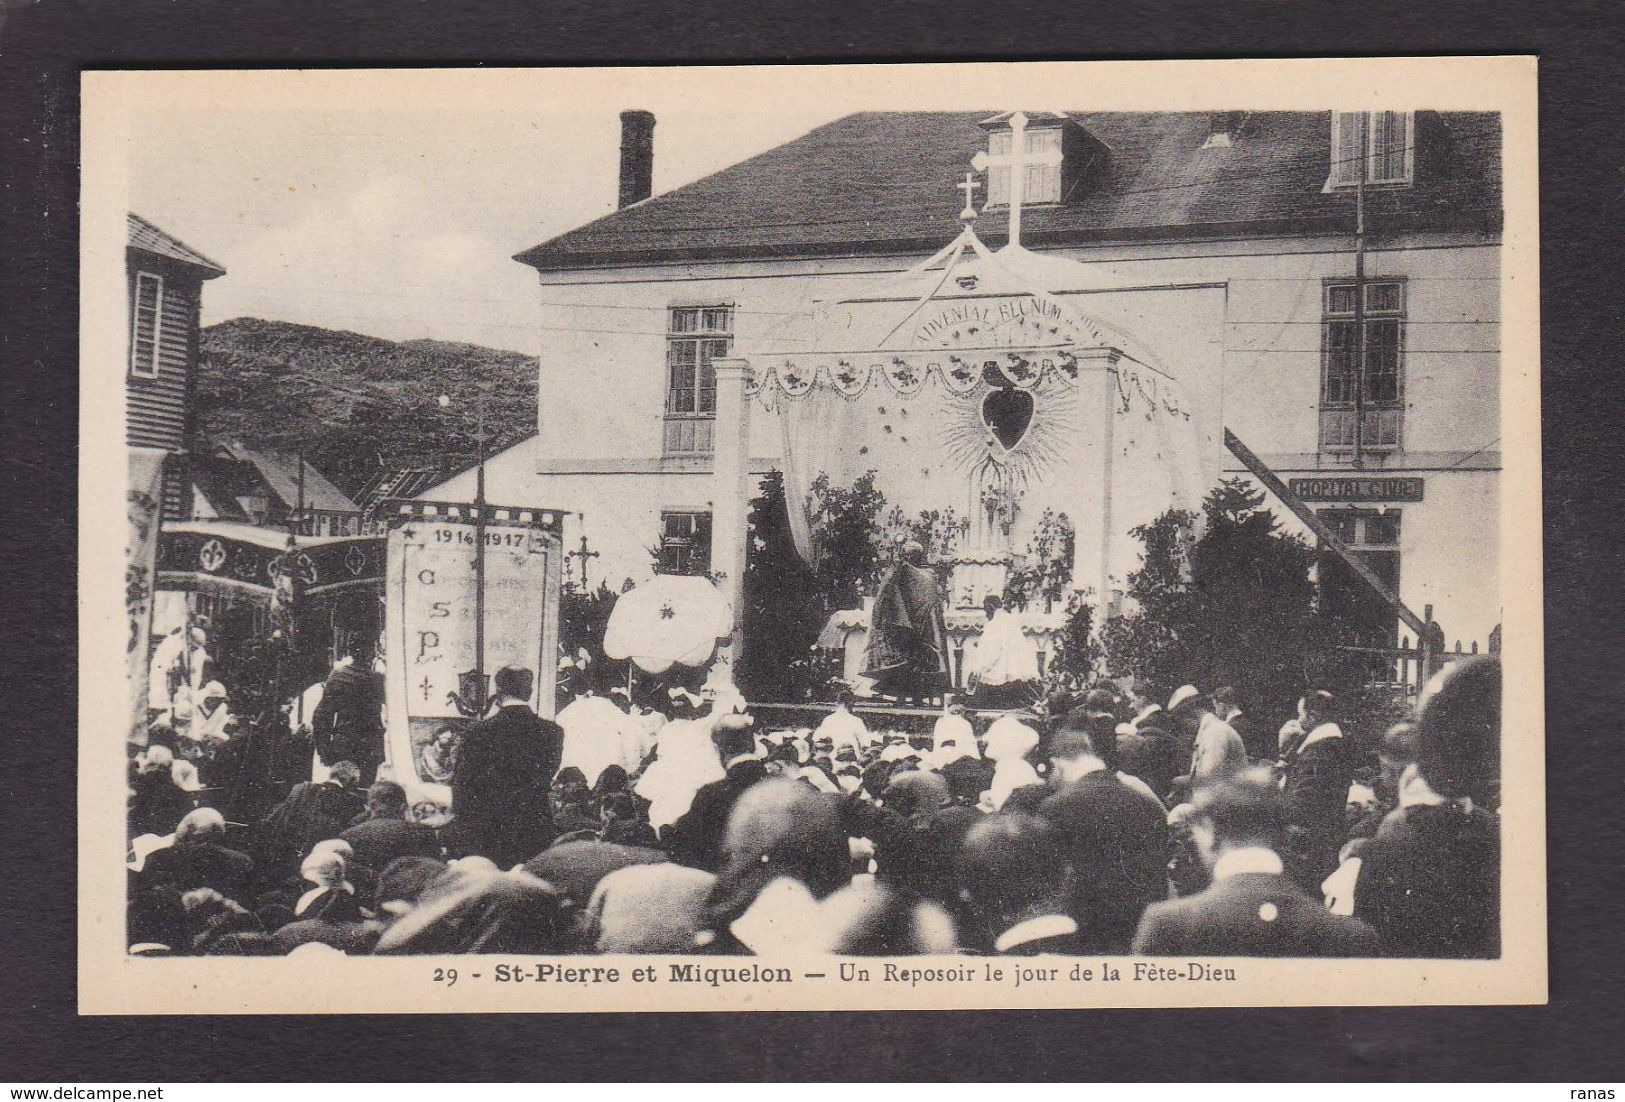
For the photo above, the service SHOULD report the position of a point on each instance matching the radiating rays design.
(967, 443)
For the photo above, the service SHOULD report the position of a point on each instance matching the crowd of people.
(1097, 823)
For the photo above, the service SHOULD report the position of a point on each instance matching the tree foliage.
(783, 614)
(1044, 575)
(850, 548)
(1235, 606)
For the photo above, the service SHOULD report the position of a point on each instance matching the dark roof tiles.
(884, 182)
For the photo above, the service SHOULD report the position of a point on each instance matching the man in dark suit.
(313, 812)
(696, 838)
(1114, 834)
(1251, 908)
(500, 790)
(1430, 881)
(1316, 770)
(348, 724)
(387, 833)
(1016, 886)
(199, 858)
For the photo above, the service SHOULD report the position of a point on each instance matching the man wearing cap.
(1016, 886)
(1256, 740)
(1430, 881)
(500, 791)
(1251, 908)
(695, 839)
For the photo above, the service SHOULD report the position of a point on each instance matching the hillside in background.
(351, 402)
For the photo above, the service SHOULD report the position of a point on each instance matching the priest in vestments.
(907, 653)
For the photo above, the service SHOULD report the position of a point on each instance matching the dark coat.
(200, 864)
(1117, 841)
(504, 775)
(377, 842)
(915, 852)
(348, 724)
(352, 938)
(1251, 915)
(157, 805)
(695, 839)
(1317, 785)
(1316, 791)
(1259, 742)
(1430, 883)
(1149, 754)
(312, 813)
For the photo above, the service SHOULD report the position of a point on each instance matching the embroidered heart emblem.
(1007, 412)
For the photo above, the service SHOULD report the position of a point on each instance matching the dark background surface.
(1575, 1040)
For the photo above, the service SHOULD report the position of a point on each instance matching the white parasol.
(669, 620)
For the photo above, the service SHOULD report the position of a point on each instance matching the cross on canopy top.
(970, 185)
(1018, 161)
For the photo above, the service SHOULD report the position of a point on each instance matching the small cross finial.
(970, 185)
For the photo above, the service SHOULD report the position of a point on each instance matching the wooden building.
(166, 278)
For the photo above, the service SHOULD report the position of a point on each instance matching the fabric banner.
(144, 508)
(430, 628)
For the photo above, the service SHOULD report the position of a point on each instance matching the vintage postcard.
(811, 537)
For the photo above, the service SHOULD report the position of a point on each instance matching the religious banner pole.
(479, 553)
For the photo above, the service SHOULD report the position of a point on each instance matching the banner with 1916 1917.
(433, 609)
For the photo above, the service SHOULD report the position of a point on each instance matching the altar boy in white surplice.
(1004, 667)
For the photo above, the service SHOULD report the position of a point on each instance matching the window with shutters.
(1042, 183)
(685, 543)
(1389, 148)
(1382, 375)
(696, 336)
(146, 320)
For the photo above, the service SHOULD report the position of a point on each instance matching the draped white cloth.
(908, 380)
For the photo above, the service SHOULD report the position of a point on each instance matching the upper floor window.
(1380, 379)
(696, 337)
(1042, 183)
(1389, 144)
(685, 543)
(146, 319)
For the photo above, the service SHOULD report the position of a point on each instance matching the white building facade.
(1224, 242)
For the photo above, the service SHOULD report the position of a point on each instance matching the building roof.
(399, 482)
(281, 474)
(884, 182)
(149, 238)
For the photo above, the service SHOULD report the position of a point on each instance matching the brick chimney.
(637, 156)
